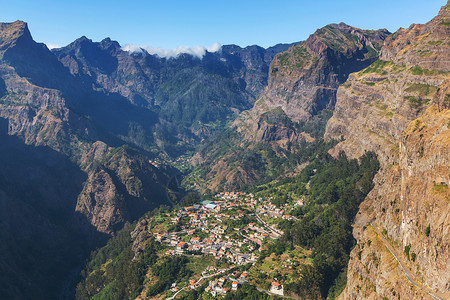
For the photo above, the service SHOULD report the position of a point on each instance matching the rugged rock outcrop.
(121, 189)
(55, 162)
(50, 112)
(399, 108)
(303, 80)
(301, 90)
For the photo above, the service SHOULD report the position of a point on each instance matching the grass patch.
(416, 70)
(368, 83)
(434, 43)
(378, 67)
(440, 188)
(416, 102)
(421, 89)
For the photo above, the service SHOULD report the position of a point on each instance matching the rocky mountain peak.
(422, 45)
(302, 86)
(303, 80)
(109, 44)
(13, 34)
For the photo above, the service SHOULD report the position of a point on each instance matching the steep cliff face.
(55, 163)
(301, 92)
(399, 108)
(121, 189)
(60, 112)
(303, 80)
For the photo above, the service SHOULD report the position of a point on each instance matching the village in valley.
(226, 237)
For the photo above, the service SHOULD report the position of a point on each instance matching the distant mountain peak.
(81, 40)
(12, 34)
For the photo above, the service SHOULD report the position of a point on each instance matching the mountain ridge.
(403, 117)
(117, 122)
(301, 90)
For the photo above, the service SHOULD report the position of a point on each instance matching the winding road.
(405, 268)
(276, 233)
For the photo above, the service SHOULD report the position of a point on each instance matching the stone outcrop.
(301, 90)
(303, 80)
(398, 107)
(63, 189)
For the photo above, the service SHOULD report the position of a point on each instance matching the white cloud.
(52, 46)
(197, 51)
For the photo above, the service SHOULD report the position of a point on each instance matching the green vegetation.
(247, 292)
(370, 52)
(445, 22)
(440, 188)
(427, 230)
(336, 188)
(284, 58)
(379, 66)
(435, 43)
(407, 250)
(416, 102)
(264, 162)
(368, 83)
(112, 274)
(421, 89)
(172, 269)
(302, 56)
(277, 116)
(416, 70)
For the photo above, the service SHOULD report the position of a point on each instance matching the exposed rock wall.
(397, 108)
(302, 84)
(304, 80)
(44, 105)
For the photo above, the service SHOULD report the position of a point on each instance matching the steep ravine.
(399, 108)
(301, 90)
(56, 206)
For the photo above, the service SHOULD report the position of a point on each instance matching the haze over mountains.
(94, 136)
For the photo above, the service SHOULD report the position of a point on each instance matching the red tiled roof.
(275, 284)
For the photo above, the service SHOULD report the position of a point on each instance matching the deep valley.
(318, 169)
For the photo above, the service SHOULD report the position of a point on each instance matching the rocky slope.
(67, 118)
(193, 97)
(403, 115)
(303, 80)
(63, 189)
(53, 112)
(301, 90)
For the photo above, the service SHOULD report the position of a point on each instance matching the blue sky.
(169, 24)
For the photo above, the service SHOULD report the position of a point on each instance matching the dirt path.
(405, 268)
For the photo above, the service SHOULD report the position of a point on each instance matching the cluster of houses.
(215, 241)
(202, 230)
(205, 220)
(218, 286)
(213, 245)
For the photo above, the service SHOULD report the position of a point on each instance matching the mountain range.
(94, 137)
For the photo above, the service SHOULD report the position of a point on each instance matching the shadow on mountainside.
(38, 193)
